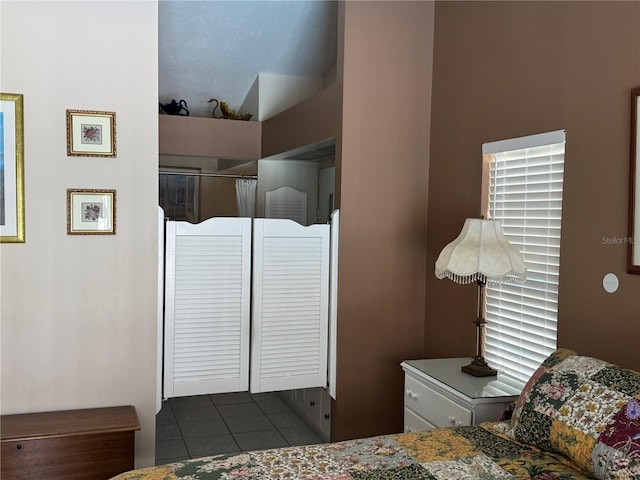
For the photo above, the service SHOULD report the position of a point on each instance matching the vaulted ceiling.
(215, 49)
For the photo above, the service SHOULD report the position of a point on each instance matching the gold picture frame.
(633, 263)
(91, 133)
(12, 223)
(91, 212)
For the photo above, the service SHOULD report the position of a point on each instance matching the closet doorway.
(205, 189)
(246, 306)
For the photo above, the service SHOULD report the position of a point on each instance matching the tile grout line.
(175, 418)
(224, 420)
(273, 423)
(184, 441)
(263, 414)
(215, 407)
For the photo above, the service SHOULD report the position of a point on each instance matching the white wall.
(272, 93)
(250, 103)
(78, 313)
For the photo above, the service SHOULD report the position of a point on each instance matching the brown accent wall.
(217, 198)
(507, 69)
(310, 121)
(210, 137)
(383, 176)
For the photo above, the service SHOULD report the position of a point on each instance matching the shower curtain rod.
(196, 174)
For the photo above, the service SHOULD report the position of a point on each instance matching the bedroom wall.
(384, 75)
(78, 313)
(209, 137)
(308, 122)
(506, 69)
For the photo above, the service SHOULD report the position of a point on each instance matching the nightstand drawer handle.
(411, 394)
(454, 421)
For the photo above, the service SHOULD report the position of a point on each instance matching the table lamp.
(481, 253)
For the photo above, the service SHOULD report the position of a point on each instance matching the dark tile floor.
(190, 427)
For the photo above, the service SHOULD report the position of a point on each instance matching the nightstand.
(437, 394)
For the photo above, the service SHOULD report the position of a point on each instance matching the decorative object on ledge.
(12, 168)
(227, 113)
(175, 108)
(91, 212)
(91, 133)
(481, 254)
(633, 264)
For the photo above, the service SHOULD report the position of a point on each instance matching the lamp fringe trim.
(475, 277)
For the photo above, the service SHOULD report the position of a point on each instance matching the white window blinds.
(525, 194)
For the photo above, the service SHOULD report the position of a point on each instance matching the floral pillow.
(586, 409)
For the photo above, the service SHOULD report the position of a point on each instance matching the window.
(179, 192)
(523, 189)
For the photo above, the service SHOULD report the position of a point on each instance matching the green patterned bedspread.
(462, 453)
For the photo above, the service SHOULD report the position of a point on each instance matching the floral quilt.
(586, 409)
(462, 453)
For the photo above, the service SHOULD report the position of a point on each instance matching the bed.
(577, 418)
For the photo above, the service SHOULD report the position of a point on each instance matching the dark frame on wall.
(634, 186)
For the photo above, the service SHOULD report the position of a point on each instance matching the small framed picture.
(91, 133)
(91, 212)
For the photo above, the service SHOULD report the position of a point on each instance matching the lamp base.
(479, 368)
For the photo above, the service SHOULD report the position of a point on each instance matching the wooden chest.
(91, 444)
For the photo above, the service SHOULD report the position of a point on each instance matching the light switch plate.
(610, 282)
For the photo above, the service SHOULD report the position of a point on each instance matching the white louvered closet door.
(286, 202)
(207, 309)
(290, 305)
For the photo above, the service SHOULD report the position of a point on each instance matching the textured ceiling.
(215, 49)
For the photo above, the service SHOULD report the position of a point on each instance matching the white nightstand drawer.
(415, 423)
(434, 407)
(438, 394)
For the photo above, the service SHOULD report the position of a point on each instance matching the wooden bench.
(91, 444)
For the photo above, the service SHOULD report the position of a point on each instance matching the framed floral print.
(91, 133)
(91, 212)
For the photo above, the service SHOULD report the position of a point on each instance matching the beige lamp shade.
(481, 253)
